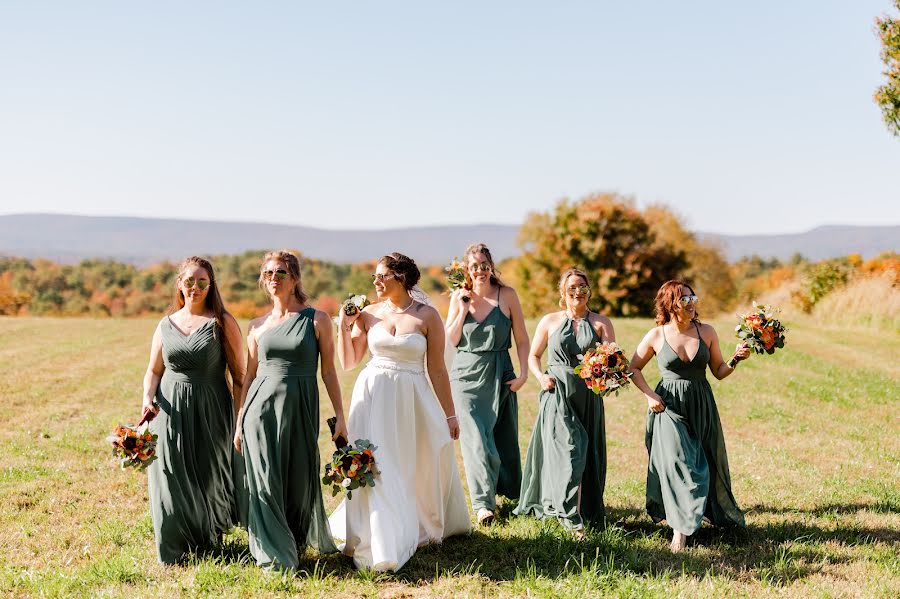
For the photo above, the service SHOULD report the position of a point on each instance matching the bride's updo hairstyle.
(403, 267)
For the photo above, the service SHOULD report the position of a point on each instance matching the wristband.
(733, 362)
(451, 417)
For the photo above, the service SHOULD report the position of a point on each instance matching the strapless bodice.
(405, 351)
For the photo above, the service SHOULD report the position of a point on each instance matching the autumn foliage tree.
(608, 238)
(707, 271)
(888, 95)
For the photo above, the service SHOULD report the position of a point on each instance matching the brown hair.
(666, 299)
(562, 282)
(403, 267)
(292, 262)
(213, 300)
(480, 248)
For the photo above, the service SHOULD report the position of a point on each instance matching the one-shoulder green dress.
(488, 411)
(568, 444)
(191, 490)
(687, 475)
(279, 432)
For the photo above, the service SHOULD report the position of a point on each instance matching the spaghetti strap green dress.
(687, 475)
(568, 444)
(488, 411)
(279, 432)
(191, 489)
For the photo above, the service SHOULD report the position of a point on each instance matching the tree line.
(627, 252)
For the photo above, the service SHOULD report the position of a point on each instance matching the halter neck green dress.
(279, 431)
(568, 444)
(488, 411)
(191, 490)
(688, 476)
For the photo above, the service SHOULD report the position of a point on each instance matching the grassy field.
(814, 445)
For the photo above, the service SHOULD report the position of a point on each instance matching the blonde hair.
(292, 262)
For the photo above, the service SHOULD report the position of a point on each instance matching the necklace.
(394, 309)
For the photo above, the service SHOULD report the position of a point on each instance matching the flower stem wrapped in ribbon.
(604, 368)
(761, 330)
(351, 467)
(133, 447)
(456, 277)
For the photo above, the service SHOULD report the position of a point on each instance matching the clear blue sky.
(745, 117)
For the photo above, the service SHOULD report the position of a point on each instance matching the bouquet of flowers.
(761, 330)
(604, 368)
(133, 448)
(354, 304)
(351, 466)
(456, 277)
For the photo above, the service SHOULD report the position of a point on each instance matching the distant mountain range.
(67, 238)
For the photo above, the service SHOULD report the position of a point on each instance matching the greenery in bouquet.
(133, 448)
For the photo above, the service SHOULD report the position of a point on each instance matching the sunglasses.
(382, 277)
(280, 274)
(684, 300)
(482, 266)
(191, 281)
(576, 291)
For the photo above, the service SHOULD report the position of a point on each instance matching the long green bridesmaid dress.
(488, 411)
(191, 490)
(568, 444)
(682, 442)
(279, 432)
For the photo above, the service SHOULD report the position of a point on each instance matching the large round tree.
(607, 237)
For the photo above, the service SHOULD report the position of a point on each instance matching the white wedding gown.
(417, 498)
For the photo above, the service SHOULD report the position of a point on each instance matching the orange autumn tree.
(607, 237)
(707, 269)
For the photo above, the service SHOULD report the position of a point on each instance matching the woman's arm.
(352, 334)
(155, 369)
(538, 345)
(252, 365)
(437, 369)
(640, 358)
(717, 365)
(603, 326)
(234, 358)
(511, 298)
(329, 373)
(456, 316)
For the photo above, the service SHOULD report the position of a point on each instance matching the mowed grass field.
(813, 436)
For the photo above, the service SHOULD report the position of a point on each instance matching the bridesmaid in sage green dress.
(687, 475)
(187, 397)
(480, 323)
(565, 469)
(278, 427)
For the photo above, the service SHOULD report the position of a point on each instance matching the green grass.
(813, 446)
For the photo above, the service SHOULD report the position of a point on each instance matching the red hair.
(667, 298)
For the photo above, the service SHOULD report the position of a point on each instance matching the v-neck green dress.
(191, 489)
(687, 475)
(568, 444)
(279, 431)
(488, 411)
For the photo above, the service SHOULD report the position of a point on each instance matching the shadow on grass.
(776, 552)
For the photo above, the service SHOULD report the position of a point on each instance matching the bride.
(418, 497)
